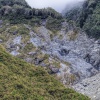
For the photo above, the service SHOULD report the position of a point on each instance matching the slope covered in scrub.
(22, 81)
(87, 17)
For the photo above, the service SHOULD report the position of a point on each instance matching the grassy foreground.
(22, 81)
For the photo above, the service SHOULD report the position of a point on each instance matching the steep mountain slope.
(90, 18)
(71, 9)
(22, 81)
(18, 12)
(68, 48)
(43, 37)
(87, 17)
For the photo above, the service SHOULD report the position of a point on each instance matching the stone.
(54, 69)
(98, 41)
(28, 60)
(87, 58)
(63, 52)
(1, 40)
(1, 22)
(12, 46)
(32, 53)
(15, 32)
(38, 61)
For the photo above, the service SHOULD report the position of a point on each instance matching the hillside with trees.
(87, 17)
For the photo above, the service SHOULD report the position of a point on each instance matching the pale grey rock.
(17, 40)
(54, 69)
(90, 87)
(29, 60)
(1, 40)
(32, 53)
(15, 53)
(38, 61)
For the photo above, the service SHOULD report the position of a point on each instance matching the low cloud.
(58, 5)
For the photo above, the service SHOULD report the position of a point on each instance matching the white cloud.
(58, 5)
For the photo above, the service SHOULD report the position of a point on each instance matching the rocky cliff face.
(72, 49)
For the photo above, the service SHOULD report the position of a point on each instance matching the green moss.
(29, 47)
(19, 28)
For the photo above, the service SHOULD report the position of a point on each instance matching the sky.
(58, 5)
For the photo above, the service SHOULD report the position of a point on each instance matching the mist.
(58, 5)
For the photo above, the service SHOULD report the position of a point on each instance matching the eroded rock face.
(78, 55)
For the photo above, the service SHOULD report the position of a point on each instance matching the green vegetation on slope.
(87, 17)
(12, 2)
(22, 81)
(91, 23)
(20, 10)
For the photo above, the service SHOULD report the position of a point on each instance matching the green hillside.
(87, 17)
(22, 81)
(91, 20)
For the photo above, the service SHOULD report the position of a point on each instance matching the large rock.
(64, 52)
(1, 40)
(54, 69)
